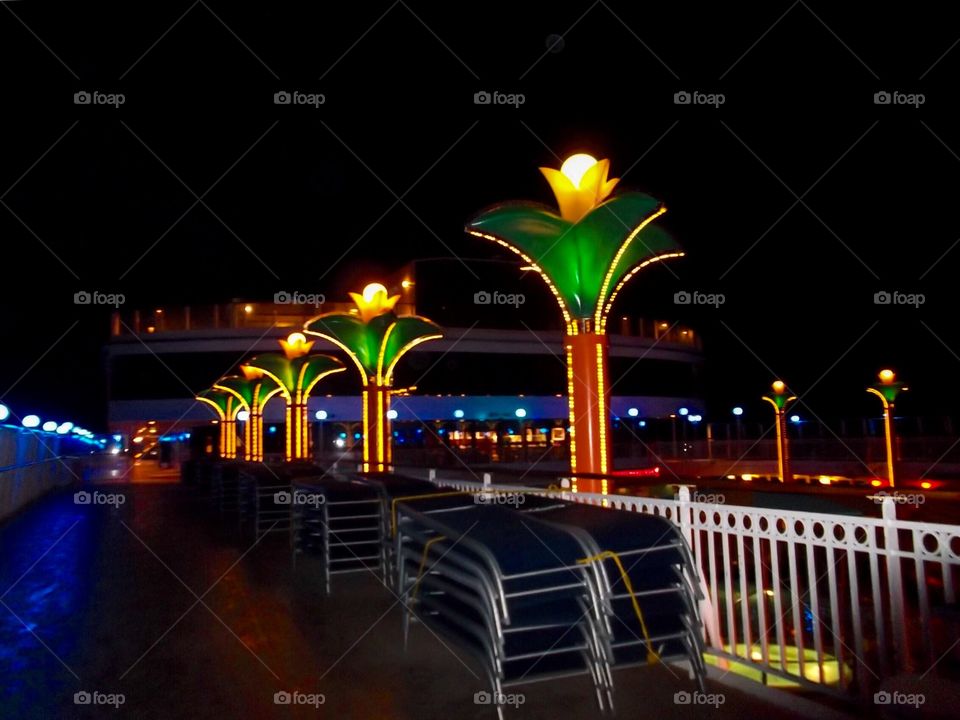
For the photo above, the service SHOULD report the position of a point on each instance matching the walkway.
(160, 600)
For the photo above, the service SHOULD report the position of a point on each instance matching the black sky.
(98, 195)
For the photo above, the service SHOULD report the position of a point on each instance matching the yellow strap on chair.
(423, 564)
(393, 509)
(610, 555)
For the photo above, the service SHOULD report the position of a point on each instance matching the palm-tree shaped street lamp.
(296, 373)
(585, 254)
(374, 338)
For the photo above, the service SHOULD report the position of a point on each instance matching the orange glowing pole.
(779, 400)
(887, 390)
(588, 383)
(377, 446)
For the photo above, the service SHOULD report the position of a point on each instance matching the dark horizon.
(98, 196)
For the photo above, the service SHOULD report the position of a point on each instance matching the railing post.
(432, 474)
(891, 543)
(683, 513)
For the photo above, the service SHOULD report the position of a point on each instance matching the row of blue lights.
(522, 413)
(392, 414)
(33, 422)
(685, 412)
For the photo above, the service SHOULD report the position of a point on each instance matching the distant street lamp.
(252, 392)
(737, 414)
(780, 399)
(374, 337)
(887, 390)
(227, 408)
(296, 372)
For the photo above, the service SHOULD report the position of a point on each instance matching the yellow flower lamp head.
(251, 373)
(296, 345)
(580, 184)
(373, 301)
(592, 248)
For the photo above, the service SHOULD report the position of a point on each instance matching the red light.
(876, 483)
(637, 472)
(926, 485)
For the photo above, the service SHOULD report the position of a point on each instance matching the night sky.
(798, 198)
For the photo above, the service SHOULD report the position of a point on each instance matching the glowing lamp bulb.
(576, 166)
(372, 290)
(633, 412)
(243, 415)
(458, 414)
(4, 412)
(520, 412)
(738, 411)
(296, 339)
(887, 376)
(321, 415)
(31, 421)
(779, 386)
(49, 426)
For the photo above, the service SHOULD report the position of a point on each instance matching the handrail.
(833, 603)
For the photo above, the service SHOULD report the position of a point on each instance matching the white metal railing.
(834, 603)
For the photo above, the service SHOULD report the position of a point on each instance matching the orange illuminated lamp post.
(226, 406)
(887, 390)
(779, 398)
(296, 373)
(374, 338)
(252, 392)
(585, 254)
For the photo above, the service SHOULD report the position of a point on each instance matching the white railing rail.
(835, 603)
